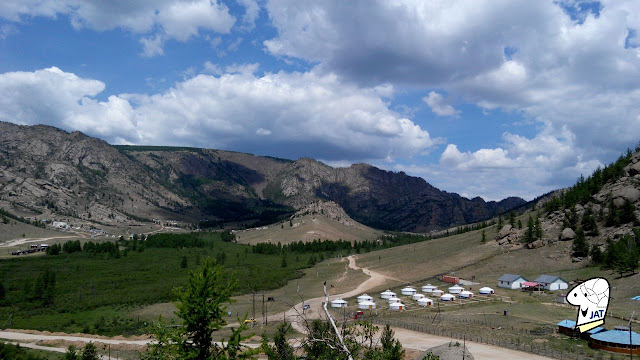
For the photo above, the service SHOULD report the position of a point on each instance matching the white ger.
(429, 288)
(338, 303)
(367, 305)
(408, 291)
(387, 294)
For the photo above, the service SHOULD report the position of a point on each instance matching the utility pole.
(254, 309)
(464, 346)
(262, 308)
(630, 338)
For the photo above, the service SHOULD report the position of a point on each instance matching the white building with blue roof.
(552, 282)
(511, 281)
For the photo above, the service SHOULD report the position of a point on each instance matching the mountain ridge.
(44, 168)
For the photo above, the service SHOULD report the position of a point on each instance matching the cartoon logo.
(592, 299)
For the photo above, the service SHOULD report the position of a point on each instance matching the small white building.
(394, 300)
(428, 288)
(437, 292)
(425, 301)
(396, 306)
(486, 291)
(466, 295)
(367, 305)
(364, 297)
(552, 282)
(456, 289)
(448, 297)
(408, 291)
(417, 297)
(511, 281)
(338, 303)
(60, 225)
(387, 294)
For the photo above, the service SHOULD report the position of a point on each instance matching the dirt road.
(23, 241)
(409, 339)
(316, 311)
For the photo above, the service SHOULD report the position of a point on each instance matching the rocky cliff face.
(611, 212)
(43, 168)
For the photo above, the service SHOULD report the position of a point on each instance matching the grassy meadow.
(96, 292)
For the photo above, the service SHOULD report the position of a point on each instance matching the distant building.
(60, 225)
(552, 282)
(562, 299)
(511, 281)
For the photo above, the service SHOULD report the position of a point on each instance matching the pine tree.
(627, 213)
(597, 257)
(613, 218)
(183, 263)
(284, 262)
(500, 224)
(512, 219)
(589, 223)
(580, 247)
(484, 237)
(538, 229)
(529, 235)
(519, 224)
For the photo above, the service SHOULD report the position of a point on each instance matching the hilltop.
(323, 220)
(44, 170)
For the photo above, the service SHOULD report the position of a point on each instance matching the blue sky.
(483, 98)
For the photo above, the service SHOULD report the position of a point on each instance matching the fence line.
(541, 349)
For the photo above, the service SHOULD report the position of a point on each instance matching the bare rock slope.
(47, 169)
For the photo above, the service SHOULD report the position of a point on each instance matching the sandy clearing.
(23, 241)
(421, 341)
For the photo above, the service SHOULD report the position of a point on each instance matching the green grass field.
(96, 292)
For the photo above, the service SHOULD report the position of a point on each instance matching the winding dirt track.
(409, 339)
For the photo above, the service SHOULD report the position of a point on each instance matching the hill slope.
(319, 220)
(43, 169)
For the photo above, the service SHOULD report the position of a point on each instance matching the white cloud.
(7, 30)
(295, 114)
(252, 11)
(152, 45)
(51, 96)
(525, 167)
(167, 19)
(242, 68)
(214, 69)
(438, 105)
(574, 74)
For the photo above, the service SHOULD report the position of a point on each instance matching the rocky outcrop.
(625, 193)
(328, 209)
(567, 234)
(508, 235)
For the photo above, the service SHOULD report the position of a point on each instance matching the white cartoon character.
(592, 299)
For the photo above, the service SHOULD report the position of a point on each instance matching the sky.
(489, 98)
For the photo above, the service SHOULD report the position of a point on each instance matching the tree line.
(584, 189)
